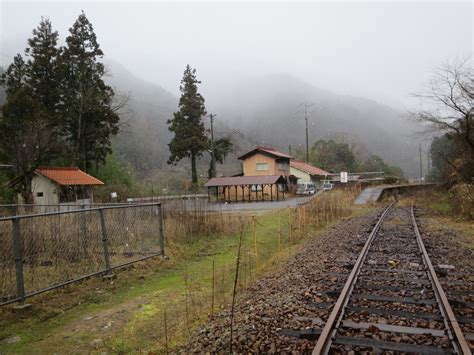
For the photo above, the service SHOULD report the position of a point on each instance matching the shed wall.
(40, 184)
(302, 175)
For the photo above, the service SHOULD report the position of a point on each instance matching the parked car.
(327, 186)
(305, 188)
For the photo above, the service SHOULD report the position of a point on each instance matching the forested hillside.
(263, 110)
(266, 109)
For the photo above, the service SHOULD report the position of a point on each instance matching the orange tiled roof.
(312, 170)
(67, 175)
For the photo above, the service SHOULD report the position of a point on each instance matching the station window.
(39, 194)
(283, 165)
(262, 166)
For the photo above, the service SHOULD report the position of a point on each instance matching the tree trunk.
(25, 191)
(194, 178)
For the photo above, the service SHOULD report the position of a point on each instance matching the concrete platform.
(369, 195)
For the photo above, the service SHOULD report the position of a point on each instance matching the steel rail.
(460, 344)
(325, 339)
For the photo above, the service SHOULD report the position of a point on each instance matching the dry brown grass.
(58, 248)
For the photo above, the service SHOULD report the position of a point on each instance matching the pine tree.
(190, 138)
(89, 118)
(24, 123)
(220, 148)
(27, 120)
(42, 66)
(14, 77)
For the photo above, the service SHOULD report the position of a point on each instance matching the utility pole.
(429, 162)
(421, 167)
(306, 105)
(307, 140)
(213, 159)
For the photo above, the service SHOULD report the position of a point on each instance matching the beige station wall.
(250, 166)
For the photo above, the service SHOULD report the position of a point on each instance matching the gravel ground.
(297, 297)
(300, 296)
(454, 265)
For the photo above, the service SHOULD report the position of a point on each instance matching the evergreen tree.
(14, 78)
(332, 156)
(26, 142)
(190, 138)
(220, 148)
(27, 117)
(89, 118)
(43, 75)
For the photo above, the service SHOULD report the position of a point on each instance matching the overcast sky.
(378, 50)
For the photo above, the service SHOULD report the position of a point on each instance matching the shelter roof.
(245, 180)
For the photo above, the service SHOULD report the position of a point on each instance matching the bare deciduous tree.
(447, 106)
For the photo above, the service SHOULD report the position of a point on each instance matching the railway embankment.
(393, 303)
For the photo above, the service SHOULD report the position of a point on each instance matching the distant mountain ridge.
(266, 108)
(260, 110)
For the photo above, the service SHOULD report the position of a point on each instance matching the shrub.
(463, 200)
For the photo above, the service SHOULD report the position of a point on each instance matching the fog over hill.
(258, 61)
(265, 110)
(144, 135)
(269, 108)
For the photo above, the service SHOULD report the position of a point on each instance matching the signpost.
(344, 177)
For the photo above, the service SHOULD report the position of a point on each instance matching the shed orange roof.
(67, 175)
(312, 170)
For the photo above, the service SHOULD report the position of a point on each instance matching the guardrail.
(43, 251)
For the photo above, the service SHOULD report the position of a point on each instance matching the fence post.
(105, 243)
(20, 283)
(14, 210)
(161, 234)
(83, 227)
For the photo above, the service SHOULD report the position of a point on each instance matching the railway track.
(392, 301)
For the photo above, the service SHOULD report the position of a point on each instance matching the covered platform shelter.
(247, 188)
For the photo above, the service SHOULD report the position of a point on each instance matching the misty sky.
(378, 50)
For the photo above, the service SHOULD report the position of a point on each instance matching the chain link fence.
(43, 251)
(171, 202)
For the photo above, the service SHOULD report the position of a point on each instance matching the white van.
(327, 186)
(305, 188)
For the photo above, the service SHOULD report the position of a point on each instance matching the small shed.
(247, 188)
(307, 172)
(54, 185)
